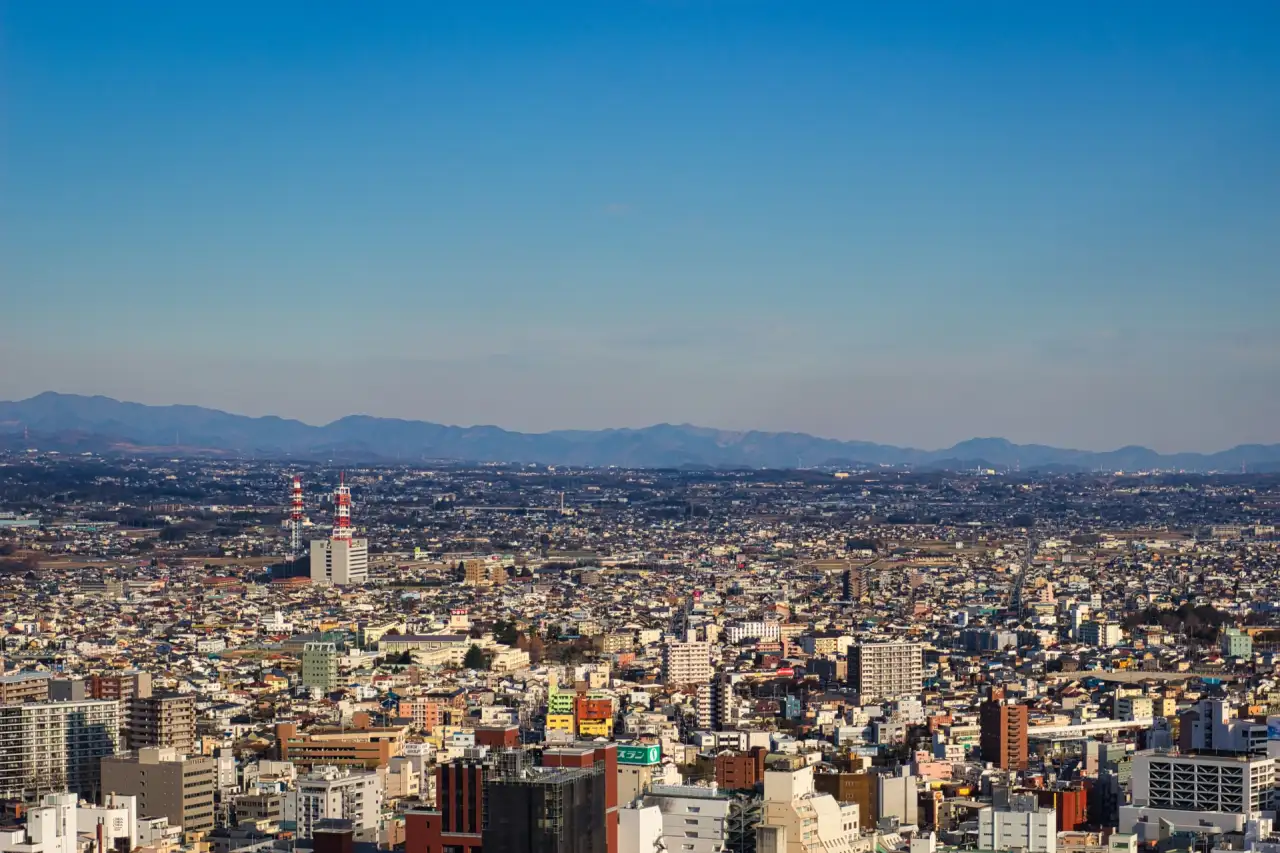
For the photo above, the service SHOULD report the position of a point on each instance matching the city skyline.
(904, 223)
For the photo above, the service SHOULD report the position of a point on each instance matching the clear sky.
(904, 222)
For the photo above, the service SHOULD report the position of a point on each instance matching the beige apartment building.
(886, 670)
(23, 687)
(165, 720)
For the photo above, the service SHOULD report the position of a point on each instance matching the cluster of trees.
(14, 562)
(476, 658)
(1202, 622)
(401, 659)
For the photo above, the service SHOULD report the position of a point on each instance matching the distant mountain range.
(73, 423)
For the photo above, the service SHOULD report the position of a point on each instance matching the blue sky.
(903, 222)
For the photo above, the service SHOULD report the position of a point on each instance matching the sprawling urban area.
(215, 655)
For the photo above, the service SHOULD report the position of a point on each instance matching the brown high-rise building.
(458, 821)
(482, 572)
(860, 788)
(1004, 735)
(740, 771)
(165, 719)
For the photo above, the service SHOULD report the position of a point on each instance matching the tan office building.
(166, 785)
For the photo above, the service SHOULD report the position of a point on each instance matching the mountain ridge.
(72, 421)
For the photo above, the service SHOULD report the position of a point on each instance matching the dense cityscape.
(217, 655)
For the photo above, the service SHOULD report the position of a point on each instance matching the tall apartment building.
(56, 746)
(1192, 792)
(853, 584)
(339, 562)
(333, 793)
(163, 720)
(166, 783)
(23, 687)
(687, 663)
(885, 670)
(1004, 734)
(714, 703)
(124, 686)
(320, 666)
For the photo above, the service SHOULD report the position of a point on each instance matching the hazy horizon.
(910, 223)
(642, 426)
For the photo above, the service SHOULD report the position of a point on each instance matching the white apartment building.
(694, 819)
(1212, 724)
(1194, 791)
(339, 794)
(1129, 708)
(53, 824)
(275, 623)
(1024, 825)
(687, 663)
(1101, 634)
(48, 747)
(797, 819)
(118, 817)
(886, 670)
(51, 828)
(640, 830)
(899, 797)
(769, 631)
(339, 562)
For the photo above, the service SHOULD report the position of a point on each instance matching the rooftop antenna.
(295, 518)
(342, 509)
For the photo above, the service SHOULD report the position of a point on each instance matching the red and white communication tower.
(295, 518)
(342, 510)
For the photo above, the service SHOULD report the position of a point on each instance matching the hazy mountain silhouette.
(73, 423)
